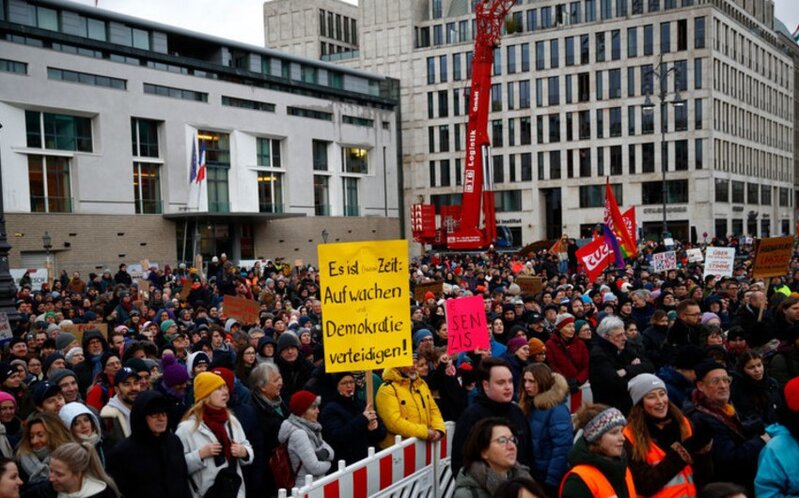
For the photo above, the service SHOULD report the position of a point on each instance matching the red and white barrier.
(411, 467)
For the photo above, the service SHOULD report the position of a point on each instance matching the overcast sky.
(242, 20)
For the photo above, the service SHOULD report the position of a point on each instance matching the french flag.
(201, 168)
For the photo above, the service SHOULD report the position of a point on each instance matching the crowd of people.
(637, 384)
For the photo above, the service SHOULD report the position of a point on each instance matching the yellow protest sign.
(365, 305)
(772, 257)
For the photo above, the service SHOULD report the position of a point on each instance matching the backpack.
(280, 465)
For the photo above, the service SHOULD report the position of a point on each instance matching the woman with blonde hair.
(75, 470)
(212, 437)
(44, 432)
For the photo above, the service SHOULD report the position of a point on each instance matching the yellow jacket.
(406, 407)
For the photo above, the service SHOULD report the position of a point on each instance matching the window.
(600, 123)
(147, 188)
(9, 66)
(431, 70)
(682, 35)
(600, 46)
(554, 128)
(647, 79)
(632, 42)
(355, 160)
(585, 52)
(752, 193)
(593, 196)
(583, 87)
(665, 37)
(511, 59)
(525, 57)
(525, 130)
(720, 227)
(680, 76)
(722, 190)
(546, 17)
(615, 121)
(554, 53)
(590, 10)
(539, 92)
(247, 104)
(676, 192)
(144, 137)
(445, 178)
(648, 158)
(511, 95)
(554, 165)
(647, 120)
(58, 131)
(496, 133)
(621, 8)
(319, 150)
(631, 120)
(496, 97)
(321, 195)
(217, 160)
(532, 19)
(498, 174)
(458, 174)
(697, 73)
(569, 126)
(527, 167)
(270, 192)
(631, 81)
(570, 51)
(430, 106)
(569, 89)
(584, 125)
(648, 40)
(614, 75)
(654, 5)
(606, 11)
(524, 94)
(615, 160)
(507, 201)
(309, 113)
(49, 182)
(765, 195)
(57, 74)
(574, 13)
(553, 85)
(175, 93)
(699, 32)
(443, 104)
(737, 192)
(539, 129)
(784, 197)
(631, 158)
(350, 196)
(456, 67)
(358, 121)
(539, 55)
(497, 68)
(698, 154)
(268, 152)
(456, 102)
(681, 155)
(600, 90)
(585, 163)
(442, 68)
(615, 45)
(681, 116)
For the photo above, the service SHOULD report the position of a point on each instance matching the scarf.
(724, 414)
(313, 429)
(215, 419)
(490, 480)
(5, 447)
(36, 465)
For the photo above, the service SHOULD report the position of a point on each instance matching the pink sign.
(467, 328)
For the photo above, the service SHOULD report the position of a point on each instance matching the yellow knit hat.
(206, 383)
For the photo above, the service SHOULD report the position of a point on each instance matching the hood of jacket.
(395, 375)
(92, 334)
(775, 430)
(73, 410)
(146, 402)
(553, 396)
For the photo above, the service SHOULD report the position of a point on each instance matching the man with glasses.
(687, 328)
(736, 446)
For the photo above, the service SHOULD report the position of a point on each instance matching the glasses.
(347, 383)
(719, 380)
(504, 440)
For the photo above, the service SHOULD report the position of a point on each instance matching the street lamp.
(324, 235)
(662, 73)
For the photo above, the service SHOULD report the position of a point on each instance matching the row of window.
(338, 27)
(721, 227)
(755, 193)
(739, 122)
(735, 157)
(746, 89)
(547, 17)
(752, 55)
(9, 66)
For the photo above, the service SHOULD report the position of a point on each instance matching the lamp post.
(662, 73)
(47, 244)
(8, 291)
(324, 235)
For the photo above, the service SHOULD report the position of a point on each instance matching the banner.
(664, 261)
(38, 277)
(242, 309)
(530, 286)
(595, 257)
(772, 257)
(81, 328)
(467, 328)
(5, 328)
(719, 261)
(694, 255)
(365, 305)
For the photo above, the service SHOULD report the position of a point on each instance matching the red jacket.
(570, 360)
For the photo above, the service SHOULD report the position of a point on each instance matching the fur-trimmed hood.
(554, 396)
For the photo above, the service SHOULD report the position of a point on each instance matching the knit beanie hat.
(195, 359)
(791, 394)
(174, 373)
(107, 356)
(516, 344)
(301, 401)
(707, 316)
(59, 375)
(537, 346)
(227, 375)
(63, 340)
(562, 320)
(705, 367)
(578, 324)
(643, 384)
(205, 383)
(602, 423)
(137, 364)
(6, 371)
(419, 336)
(51, 358)
(287, 340)
(166, 324)
(4, 396)
(72, 352)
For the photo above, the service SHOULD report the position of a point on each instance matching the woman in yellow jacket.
(407, 407)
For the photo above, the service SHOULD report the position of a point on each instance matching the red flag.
(615, 223)
(595, 257)
(628, 217)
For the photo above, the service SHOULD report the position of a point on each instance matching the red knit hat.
(301, 401)
(792, 394)
(562, 320)
(429, 295)
(227, 375)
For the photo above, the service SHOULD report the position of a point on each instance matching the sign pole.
(370, 389)
(763, 307)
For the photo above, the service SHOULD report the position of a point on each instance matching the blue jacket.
(678, 386)
(776, 470)
(551, 428)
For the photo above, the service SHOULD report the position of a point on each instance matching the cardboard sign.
(719, 261)
(242, 309)
(81, 328)
(664, 261)
(38, 277)
(5, 328)
(467, 328)
(421, 289)
(365, 294)
(772, 257)
(530, 285)
(694, 255)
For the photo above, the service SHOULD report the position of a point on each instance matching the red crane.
(460, 225)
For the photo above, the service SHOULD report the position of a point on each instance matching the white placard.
(719, 261)
(664, 261)
(694, 255)
(38, 277)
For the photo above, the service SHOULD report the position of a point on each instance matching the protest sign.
(694, 255)
(79, 329)
(365, 294)
(664, 261)
(772, 257)
(5, 328)
(467, 328)
(421, 289)
(530, 285)
(38, 277)
(719, 261)
(242, 309)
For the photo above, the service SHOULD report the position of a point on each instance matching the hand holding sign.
(467, 328)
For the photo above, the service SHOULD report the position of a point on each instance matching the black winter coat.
(606, 385)
(269, 421)
(148, 465)
(295, 375)
(345, 429)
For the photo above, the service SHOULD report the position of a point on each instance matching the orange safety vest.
(598, 483)
(682, 484)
